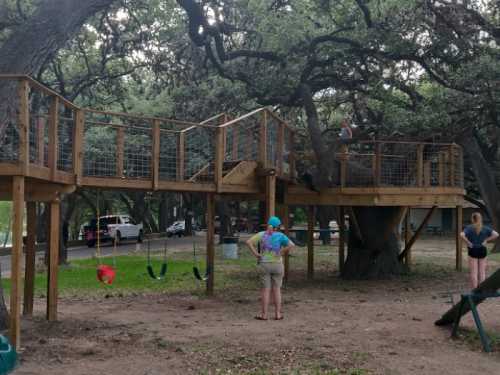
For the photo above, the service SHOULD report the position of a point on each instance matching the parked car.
(111, 228)
(178, 228)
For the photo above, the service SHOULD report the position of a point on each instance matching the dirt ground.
(330, 326)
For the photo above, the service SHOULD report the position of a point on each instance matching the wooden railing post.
(441, 169)
(180, 155)
(235, 146)
(78, 134)
(343, 169)
(420, 165)
(155, 159)
(263, 140)
(219, 156)
(40, 141)
(53, 136)
(24, 125)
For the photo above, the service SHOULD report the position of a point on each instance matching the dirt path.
(383, 327)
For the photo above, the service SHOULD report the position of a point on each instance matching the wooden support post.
(156, 154)
(17, 251)
(420, 165)
(270, 196)
(407, 236)
(78, 134)
(281, 148)
(377, 165)
(210, 242)
(53, 262)
(53, 136)
(417, 234)
(180, 156)
(23, 125)
(263, 140)
(40, 140)
(342, 237)
(286, 228)
(120, 152)
(458, 238)
(29, 269)
(219, 157)
(310, 242)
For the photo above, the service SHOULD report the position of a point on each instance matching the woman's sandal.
(279, 318)
(258, 317)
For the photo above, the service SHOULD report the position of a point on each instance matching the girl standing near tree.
(476, 236)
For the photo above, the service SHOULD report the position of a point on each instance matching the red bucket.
(106, 274)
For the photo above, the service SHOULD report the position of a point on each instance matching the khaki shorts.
(271, 274)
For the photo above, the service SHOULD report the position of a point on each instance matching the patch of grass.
(79, 277)
(472, 338)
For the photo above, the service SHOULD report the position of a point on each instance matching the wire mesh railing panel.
(137, 152)
(359, 169)
(459, 167)
(398, 164)
(287, 152)
(99, 150)
(9, 133)
(199, 154)
(39, 106)
(168, 155)
(65, 134)
(248, 139)
(272, 141)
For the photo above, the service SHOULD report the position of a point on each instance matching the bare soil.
(330, 326)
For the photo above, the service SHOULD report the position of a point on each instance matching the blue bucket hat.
(274, 221)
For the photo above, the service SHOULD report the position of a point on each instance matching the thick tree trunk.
(375, 254)
(485, 179)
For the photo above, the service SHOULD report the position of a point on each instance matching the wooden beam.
(53, 261)
(417, 233)
(219, 156)
(23, 125)
(78, 135)
(53, 136)
(458, 238)
(270, 196)
(29, 269)
(120, 152)
(180, 156)
(342, 237)
(310, 242)
(156, 154)
(17, 251)
(210, 242)
(263, 140)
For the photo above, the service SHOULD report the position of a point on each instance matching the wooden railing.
(52, 139)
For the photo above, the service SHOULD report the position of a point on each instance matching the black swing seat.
(198, 276)
(163, 272)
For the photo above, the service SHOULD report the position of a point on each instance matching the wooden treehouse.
(49, 146)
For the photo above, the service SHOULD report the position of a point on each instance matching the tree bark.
(485, 179)
(375, 254)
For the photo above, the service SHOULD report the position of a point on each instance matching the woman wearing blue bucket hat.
(273, 245)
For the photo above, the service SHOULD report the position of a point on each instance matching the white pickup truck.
(113, 227)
